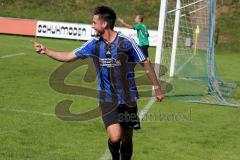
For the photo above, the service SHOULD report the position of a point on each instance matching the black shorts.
(145, 50)
(123, 114)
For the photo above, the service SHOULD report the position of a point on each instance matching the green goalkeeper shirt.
(142, 33)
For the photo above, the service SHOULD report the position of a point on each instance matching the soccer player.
(114, 55)
(142, 32)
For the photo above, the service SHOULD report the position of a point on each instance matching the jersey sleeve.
(137, 26)
(136, 52)
(86, 50)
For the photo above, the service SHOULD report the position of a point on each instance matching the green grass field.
(171, 130)
(29, 128)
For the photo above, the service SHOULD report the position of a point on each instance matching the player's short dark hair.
(107, 14)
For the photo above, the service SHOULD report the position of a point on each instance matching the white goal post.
(161, 29)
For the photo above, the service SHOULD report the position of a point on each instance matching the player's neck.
(109, 35)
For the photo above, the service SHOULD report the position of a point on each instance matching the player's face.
(137, 19)
(98, 25)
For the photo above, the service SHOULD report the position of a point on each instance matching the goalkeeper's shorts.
(145, 50)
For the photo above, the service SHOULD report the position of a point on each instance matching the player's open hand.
(39, 48)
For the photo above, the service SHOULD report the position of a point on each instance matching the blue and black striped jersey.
(115, 64)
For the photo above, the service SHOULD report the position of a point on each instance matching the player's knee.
(115, 138)
(114, 133)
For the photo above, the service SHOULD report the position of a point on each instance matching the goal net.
(187, 51)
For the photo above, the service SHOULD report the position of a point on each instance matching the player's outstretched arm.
(59, 56)
(153, 78)
(124, 23)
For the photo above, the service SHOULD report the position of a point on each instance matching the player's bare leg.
(114, 132)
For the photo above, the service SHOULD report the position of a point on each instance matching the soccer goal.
(186, 49)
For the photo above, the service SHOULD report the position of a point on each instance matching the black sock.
(114, 149)
(126, 150)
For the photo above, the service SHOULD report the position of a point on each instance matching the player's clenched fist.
(39, 48)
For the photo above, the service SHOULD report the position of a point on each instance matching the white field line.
(106, 155)
(146, 108)
(30, 112)
(13, 55)
(152, 100)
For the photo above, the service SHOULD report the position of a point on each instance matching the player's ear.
(104, 24)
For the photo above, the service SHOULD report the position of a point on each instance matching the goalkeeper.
(142, 32)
